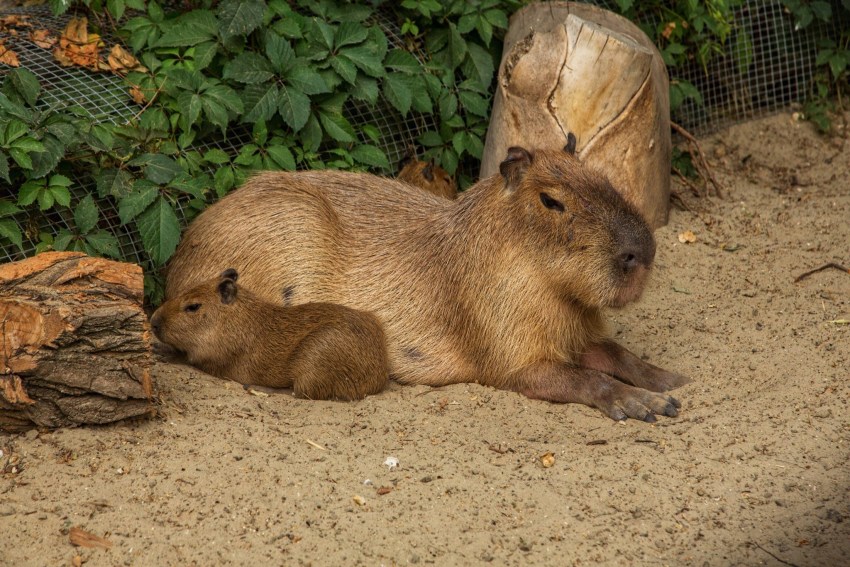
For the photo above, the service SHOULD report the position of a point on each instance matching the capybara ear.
(227, 291)
(570, 148)
(230, 274)
(404, 161)
(514, 166)
(428, 171)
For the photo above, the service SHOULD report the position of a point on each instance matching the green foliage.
(833, 58)
(288, 71)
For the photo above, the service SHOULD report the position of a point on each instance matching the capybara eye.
(551, 203)
(192, 307)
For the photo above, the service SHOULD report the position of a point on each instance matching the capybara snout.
(592, 241)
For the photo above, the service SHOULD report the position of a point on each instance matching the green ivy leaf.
(397, 92)
(366, 89)
(4, 167)
(102, 243)
(366, 58)
(191, 29)
(337, 127)
(279, 52)
(430, 139)
(475, 103)
(86, 215)
(345, 68)
(216, 156)
(158, 168)
(294, 107)
(401, 60)
(190, 105)
(307, 80)
(457, 47)
(46, 161)
(370, 155)
(26, 84)
(9, 229)
(160, 230)
(223, 181)
(282, 157)
(480, 65)
(261, 102)
(350, 33)
(8, 208)
(28, 192)
(113, 182)
(240, 17)
(250, 68)
(311, 134)
(116, 8)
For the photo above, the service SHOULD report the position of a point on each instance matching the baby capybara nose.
(156, 324)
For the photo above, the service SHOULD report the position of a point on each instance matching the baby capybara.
(428, 176)
(320, 350)
(504, 286)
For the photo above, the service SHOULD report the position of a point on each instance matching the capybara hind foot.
(619, 401)
(613, 359)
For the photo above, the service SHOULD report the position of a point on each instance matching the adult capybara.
(503, 286)
(427, 175)
(320, 350)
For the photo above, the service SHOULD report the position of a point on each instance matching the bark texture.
(75, 342)
(576, 68)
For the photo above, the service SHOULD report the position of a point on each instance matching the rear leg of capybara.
(611, 358)
(344, 360)
(557, 382)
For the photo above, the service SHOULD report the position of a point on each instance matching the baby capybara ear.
(570, 148)
(227, 291)
(229, 274)
(514, 166)
(428, 171)
(404, 161)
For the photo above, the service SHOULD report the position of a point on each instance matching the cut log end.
(75, 343)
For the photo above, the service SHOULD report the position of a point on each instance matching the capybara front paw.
(663, 381)
(643, 405)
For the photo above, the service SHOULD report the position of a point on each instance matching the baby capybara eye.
(192, 307)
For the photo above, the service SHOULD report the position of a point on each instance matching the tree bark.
(75, 342)
(576, 68)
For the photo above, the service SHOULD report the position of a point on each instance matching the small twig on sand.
(688, 183)
(701, 163)
(755, 543)
(822, 268)
(316, 445)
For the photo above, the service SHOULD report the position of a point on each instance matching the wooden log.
(576, 68)
(76, 342)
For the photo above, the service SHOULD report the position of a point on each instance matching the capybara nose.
(628, 261)
(156, 324)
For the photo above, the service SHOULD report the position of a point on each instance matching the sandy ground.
(754, 471)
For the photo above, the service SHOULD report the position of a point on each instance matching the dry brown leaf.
(82, 538)
(121, 61)
(547, 460)
(668, 30)
(384, 490)
(8, 56)
(137, 95)
(77, 47)
(15, 20)
(687, 237)
(43, 39)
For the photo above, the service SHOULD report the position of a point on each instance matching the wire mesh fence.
(750, 78)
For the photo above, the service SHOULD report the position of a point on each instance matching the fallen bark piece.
(75, 342)
(81, 538)
(576, 68)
